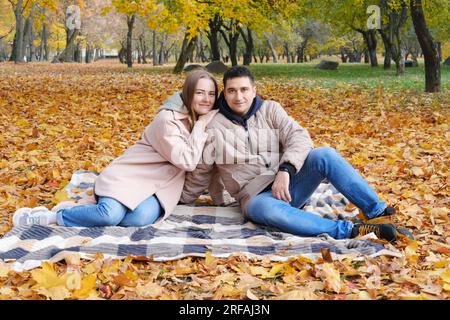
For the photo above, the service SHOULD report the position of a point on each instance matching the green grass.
(354, 74)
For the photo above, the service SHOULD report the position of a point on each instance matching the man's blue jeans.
(321, 163)
(110, 212)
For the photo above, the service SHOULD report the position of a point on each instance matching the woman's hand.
(206, 118)
(280, 187)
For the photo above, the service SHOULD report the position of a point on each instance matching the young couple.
(167, 166)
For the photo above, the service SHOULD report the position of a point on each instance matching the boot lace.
(367, 228)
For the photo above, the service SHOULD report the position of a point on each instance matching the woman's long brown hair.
(189, 89)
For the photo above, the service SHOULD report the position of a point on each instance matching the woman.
(146, 182)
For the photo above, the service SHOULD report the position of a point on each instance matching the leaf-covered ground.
(55, 119)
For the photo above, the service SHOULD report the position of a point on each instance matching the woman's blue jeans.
(110, 212)
(321, 163)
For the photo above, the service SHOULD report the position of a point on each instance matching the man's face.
(239, 94)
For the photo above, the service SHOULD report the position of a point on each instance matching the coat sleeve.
(294, 139)
(196, 182)
(202, 177)
(216, 187)
(168, 137)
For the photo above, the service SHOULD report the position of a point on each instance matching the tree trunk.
(43, 42)
(27, 39)
(439, 50)
(213, 33)
(130, 24)
(70, 49)
(46, 49)
(154, 54)
(273, 52)
(396, 21)
(31, 39)
(122, 53)
(89, 53)
(231, 40)
(144, 49)
(248, 40)
(301, 51)
(343, 55)
(161, 57)
(286, 52)
(186, 49)
(167, 53)
(198, 50)
(366, 56)
(78, 56)
(139, 53)
(370, 38)
(67, 54)
(18, 38)
(272, 49)
(432, 65)
(387, 50)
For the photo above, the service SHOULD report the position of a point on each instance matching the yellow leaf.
(130, 274)
(276, 269)
(31, 175)
(3, 270)
(57, 293)
(441, 264)
(91, 268)
(227, 277)
(56, 174)
(209, 259)
(445, 276)
(426, 146)
(184, 270)
(260, 271)
(22, 123)
(410, 252)
(87, 287)
(303, 259)
(61, 196)
(47, 277)
(414, 297)
(227, 291)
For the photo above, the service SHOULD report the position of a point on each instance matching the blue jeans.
(321, 163)
(110, 212)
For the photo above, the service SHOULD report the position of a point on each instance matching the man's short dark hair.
(238, 72)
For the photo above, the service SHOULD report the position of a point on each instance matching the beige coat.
(157, 163)
(248, 160)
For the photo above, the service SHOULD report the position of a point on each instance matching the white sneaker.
(28, 216)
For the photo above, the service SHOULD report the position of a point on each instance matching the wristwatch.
(284, 169)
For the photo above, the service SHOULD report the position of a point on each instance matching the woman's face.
(204, 95)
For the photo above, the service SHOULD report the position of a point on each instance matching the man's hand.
(280, 187)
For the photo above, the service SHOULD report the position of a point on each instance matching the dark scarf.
(225, 109)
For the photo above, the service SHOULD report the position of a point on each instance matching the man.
(272, 181)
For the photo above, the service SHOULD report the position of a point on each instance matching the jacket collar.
(225, 109)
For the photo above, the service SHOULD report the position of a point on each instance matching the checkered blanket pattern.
(189, 231)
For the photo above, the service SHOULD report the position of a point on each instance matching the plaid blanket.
(189, 231)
